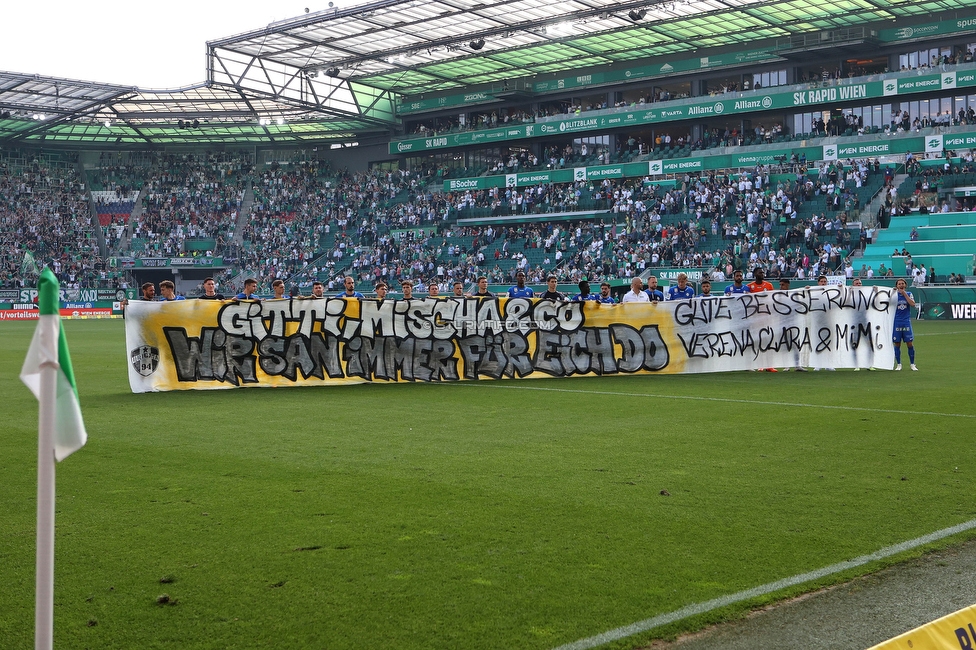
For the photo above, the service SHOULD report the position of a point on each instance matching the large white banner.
(202, 344)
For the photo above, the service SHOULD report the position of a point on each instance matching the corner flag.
(49, 347)
(60, 432)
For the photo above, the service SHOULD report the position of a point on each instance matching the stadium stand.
(578, 175)
(191, 198)
(44, 212)
(115, 183)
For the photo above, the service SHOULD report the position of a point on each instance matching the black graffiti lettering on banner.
(815, 299)
(566, 316)
(781, 303)
(753, 342)
(852, 336)
(592, 351)
(812, 300)
(248, 318)
(847, 337)
(424, 318)
(313, 356)
(214, 355)
(703, 311)
(706, 345)
(642, 349)
(495, 355)
(416, 359)
(416, 340)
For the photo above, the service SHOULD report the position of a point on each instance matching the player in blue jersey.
(653, 293)
(682, 290)
(168, 289)
(706, 289)
(736, 286)
(903, 324)
(605, 296)
(520, 290)
(584, 293)
(350, 288)
(250, 290)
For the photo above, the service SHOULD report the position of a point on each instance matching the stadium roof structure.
(49, 110)
(338, 74)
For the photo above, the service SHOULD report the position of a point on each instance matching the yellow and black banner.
(203, 344)
(953, 632)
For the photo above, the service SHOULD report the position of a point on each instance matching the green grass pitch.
(483, 515)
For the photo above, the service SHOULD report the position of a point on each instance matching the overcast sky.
(145, 44)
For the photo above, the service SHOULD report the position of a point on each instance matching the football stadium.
(426, 222)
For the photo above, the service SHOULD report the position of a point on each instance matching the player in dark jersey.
(406, 286)
(550, 293)
(278, 286)
(482, 291)
(210, 290)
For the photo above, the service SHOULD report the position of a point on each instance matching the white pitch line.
(762, 590)
(726, 399)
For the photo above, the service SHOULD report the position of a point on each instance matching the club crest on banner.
(145, 359)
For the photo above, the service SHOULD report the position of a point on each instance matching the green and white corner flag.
(49, 347)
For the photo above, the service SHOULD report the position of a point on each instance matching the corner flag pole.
(48, 373)
(44, 604)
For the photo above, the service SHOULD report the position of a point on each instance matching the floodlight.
(477, 45)
(636, 15)
(332, 72)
